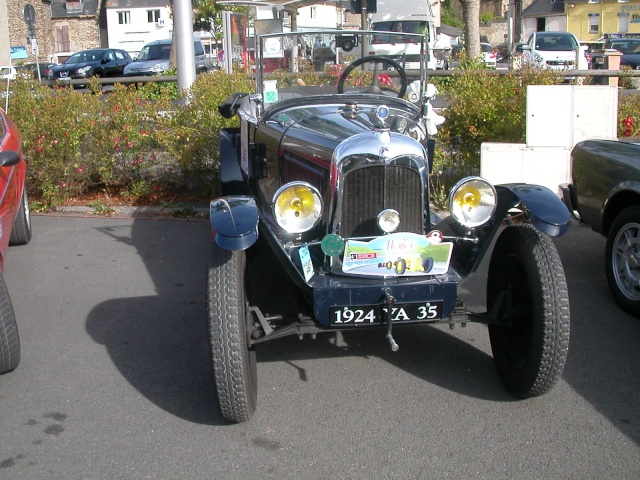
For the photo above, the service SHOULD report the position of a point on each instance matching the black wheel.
(527, 279)
(375, 81)
(21, 230)
(9, 339)
(622, 259)
(233, 362)
(347, 45)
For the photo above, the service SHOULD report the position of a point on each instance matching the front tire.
(9, 339)
(21, 230)
(622, 260)
(233, 362)
(530, 348)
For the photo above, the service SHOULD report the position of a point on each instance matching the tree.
(471, 16)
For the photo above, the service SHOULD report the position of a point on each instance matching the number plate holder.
(364, 315)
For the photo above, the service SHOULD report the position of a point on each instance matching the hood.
(147, 66)
(328, 125)
(73, 66)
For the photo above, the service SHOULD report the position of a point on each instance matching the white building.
(131, 24)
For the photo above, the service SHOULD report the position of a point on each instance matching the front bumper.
(338, 291)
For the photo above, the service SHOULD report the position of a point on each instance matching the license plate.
(375, 314)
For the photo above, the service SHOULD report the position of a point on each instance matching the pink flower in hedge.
(129, 145)
(79, 169)
(63, 184)
(38, 149)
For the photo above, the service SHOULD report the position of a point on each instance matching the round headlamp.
(472, 201)
(388, 220)
(297, 207)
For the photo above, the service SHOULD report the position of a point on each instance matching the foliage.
(130, 141)
(483, 107)
(628, 116)
(486, 17)
(208, 16)
(192, 133)
(121, 142)
(450, 16)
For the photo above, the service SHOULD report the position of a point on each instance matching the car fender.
(547, 212)
(234, 220)
(231, 179)
(622, 195)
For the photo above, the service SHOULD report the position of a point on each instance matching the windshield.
(555, 43)
(154, 52)
(86, 56)
(626, 46)
(405, 26)
(290, 65)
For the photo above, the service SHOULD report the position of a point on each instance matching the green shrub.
(130, 141)
(482, 107)
(191, 135)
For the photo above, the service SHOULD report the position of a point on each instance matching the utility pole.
(5, 51)
(185, 54)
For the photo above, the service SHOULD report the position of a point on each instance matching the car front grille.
(369, 190)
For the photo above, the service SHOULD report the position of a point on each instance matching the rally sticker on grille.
(397, 254)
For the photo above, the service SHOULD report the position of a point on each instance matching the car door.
(122, 60)
(109, 64)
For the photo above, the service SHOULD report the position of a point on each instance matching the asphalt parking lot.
(114, 381)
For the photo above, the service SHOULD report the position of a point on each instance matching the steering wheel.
(375, 84)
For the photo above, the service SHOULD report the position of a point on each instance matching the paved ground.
(115, 383)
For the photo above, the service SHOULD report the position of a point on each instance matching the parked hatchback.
(554, 50)
(15, 229)
(153, 59)
(99, 62)
(489, 56)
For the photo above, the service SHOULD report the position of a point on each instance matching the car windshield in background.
(625, 46)
(400, 27)
(555, 43)
(86, 56)
(485, 47)
(154, 52)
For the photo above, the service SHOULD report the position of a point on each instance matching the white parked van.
(405, 16)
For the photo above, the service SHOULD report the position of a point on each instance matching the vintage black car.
(605, 194)
(326, 225)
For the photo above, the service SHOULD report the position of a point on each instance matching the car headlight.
(83, 70)
(297, 207)
(159, 67)
(472, 201)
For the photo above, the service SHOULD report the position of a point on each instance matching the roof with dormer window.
(59, 8)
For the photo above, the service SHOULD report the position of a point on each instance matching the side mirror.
(9, 158)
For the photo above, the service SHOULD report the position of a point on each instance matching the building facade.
(132, 24)
(591, 20)
(28, 20)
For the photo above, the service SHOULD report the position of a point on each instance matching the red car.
(15, 229)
